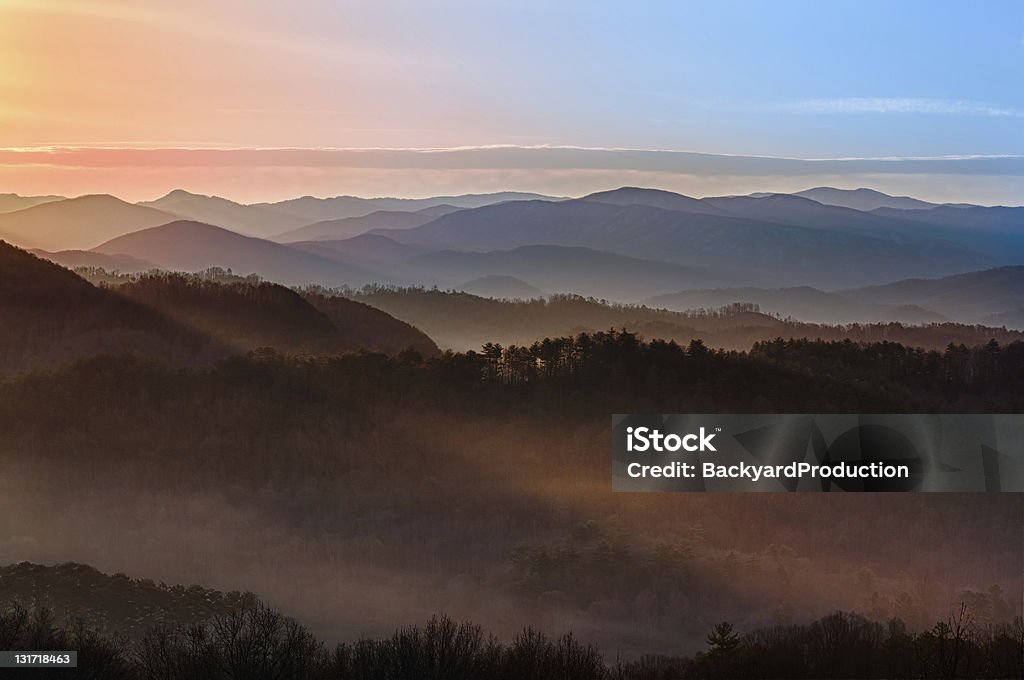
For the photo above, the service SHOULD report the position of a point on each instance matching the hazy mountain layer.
(832, 248)
(462, 321)
(803, 303)
(863, 199)
(88, 258)
(569, 270)
(501, 287)
(973, 296)
(318, 209)
(251, 220)
(194, 246)
(77, 223)
(12, 202)
(349, 227)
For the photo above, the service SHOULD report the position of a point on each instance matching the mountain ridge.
(186, 245)
(78, 223)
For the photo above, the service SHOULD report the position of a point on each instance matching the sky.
(260, 100)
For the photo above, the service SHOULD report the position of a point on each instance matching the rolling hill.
(973, 297)
(49, 315)
(803, 303)
(567, 270)
(73, 259)
(194, 246)
(313, 209)
(247, 315)
(348, 227)
(12, 202)
(368, 327)
(954, 238)
(460, 321)
(262, 221)
(991, 297)
(77, 223)
(804, 212)
(862, 199)
(371, 249)
(111, 603)
(833, 247)
(501, 288)
(654, 198)
(970, 218)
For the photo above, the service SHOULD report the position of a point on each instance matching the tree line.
(259, 642)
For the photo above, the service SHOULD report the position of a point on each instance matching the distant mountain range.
(319, 209)
(563, 269)
(803, 302)
(374, 249)
(992, 297)
(12, 202)
(797, 255)
(252, 220)
(863, 199)
(974, 296)
(77, 223)
(783, 238)
(347, 227)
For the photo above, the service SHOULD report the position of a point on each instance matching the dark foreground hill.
(250, 314)
(51, 315)
(111, 603)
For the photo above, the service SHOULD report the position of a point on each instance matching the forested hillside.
(50, 316)
(462, 321)
(248, 314)
(110, 604)
(504, 512)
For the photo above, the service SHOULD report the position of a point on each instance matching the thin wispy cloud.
(503, 157)
(901, 105)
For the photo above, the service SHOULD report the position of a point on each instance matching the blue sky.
(811, 80)
(780, 78)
